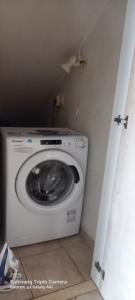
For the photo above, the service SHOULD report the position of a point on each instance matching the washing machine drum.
(49, 179)
(50, 182)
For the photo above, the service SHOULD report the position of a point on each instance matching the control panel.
(50, 142)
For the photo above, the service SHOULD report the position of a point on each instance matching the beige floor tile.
(17, 294)
(90, 296)
(55, 265)
(81, 256)
(71, 292)
(35, 249)
(72, 240)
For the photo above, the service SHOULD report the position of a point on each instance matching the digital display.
(50, 142)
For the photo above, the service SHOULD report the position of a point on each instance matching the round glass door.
(50, 182)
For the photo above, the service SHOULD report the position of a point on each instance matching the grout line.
(22, 257)
(86, 243)
(74, 263)
(68, 289)
(66, 251)
(85, 293)
(23, 269)
(26, 277)
(44, 252)
(58, 291)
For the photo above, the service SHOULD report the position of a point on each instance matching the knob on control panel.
(80, 143)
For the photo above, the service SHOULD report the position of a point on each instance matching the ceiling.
(36, 36)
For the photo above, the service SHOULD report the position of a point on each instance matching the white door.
(119, 254)
(102, 235)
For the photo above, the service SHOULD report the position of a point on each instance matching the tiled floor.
(67, 260)
(89, 296)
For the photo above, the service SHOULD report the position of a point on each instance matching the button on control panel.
(80, 143)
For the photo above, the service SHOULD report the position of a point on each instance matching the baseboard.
(89, 241)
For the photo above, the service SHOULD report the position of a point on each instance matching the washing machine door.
(48, 181)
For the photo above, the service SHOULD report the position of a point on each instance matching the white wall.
(91, 89)
(35, 38)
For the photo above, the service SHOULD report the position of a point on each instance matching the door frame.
(120, 101)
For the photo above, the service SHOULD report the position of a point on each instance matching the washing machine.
(44, 179)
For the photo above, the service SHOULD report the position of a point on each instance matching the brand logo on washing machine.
(17, 141)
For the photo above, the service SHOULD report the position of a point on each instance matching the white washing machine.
(44, 177)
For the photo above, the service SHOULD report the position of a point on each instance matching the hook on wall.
(73, 61)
